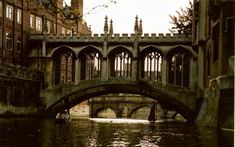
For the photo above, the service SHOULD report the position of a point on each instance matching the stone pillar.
(104, 63)
(77, 71)
(135, 64)
(201, 67)
(104, 70)
(125, 112)
(134, 69)
(201, 42)
(193, 74)
(164, 72)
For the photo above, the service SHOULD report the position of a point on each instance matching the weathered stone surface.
(182, 100)
(20, 91)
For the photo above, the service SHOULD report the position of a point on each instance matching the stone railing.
(20, 72)
(114, 37)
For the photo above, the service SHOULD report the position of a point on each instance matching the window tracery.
(178, 69)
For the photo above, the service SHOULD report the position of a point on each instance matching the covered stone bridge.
(77, 68)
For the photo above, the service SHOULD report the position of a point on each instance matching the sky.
(154, 14)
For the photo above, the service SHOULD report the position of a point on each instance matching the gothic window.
(64, 67)
(151, 66)
(178, 69)
(90, 64)
(121, 63)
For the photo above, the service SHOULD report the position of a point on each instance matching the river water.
(18, 132)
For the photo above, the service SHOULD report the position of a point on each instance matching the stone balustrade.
(112, 38)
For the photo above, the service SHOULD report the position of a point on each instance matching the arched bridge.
(176, 98)
(121, 105)
(80, 67)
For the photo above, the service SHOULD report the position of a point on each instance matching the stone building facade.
(213, 39)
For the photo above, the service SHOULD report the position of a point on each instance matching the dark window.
(18, 45)
(208, 62)
(215, 37)
(9, 41)
(178, 69)
(90, 64)
(64, 67)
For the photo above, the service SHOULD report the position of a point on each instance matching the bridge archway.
(178, 65)
(90, 63)
(135, 109)
(168, 99)
(151, 63)
(116, 113)
(120, 62)
(63, 65)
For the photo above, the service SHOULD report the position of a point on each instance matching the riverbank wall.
(217, 109)
(20, 91)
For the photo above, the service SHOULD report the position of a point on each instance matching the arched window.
(151, 63)
(64, 67)
(90, 64)
(178, 69)
(120, 64)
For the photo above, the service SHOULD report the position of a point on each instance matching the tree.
(66, 13)
(182, 21)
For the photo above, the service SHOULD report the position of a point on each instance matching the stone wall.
(217, 109)
(19, 91)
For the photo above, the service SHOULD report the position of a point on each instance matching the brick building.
(19, 18)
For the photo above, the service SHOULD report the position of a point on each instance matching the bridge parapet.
(113, 38)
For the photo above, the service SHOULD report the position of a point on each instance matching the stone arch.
(120, 46)
(178, 65)
(91, 46)
(90, 63)
(63, 65)
(151, 58)
(133, 110)
(185, 104)
(53, 52)
(120, 62)
(142, 49)
(187, 49)
(97, 110)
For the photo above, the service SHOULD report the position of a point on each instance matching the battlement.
(112, 38)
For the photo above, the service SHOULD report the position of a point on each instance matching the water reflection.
(108, 133)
